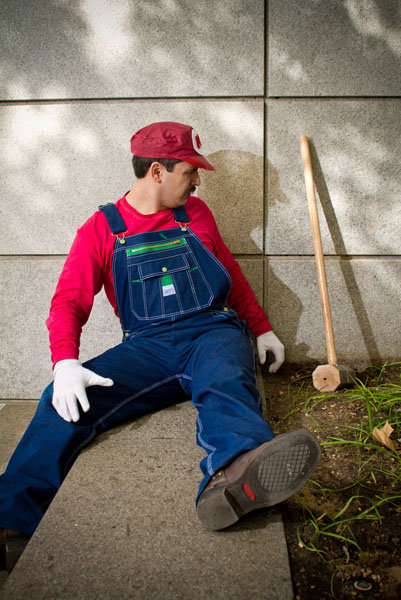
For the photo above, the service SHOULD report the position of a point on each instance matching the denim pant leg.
(50, 445)
(222, 381)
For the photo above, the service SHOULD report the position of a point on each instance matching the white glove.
(70, 381)
(269, 341)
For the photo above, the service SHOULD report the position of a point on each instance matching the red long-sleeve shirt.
(89, 267)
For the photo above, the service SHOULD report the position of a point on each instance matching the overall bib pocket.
(165, 280)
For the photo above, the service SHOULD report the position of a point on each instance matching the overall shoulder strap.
(180, 215)
(113, 217)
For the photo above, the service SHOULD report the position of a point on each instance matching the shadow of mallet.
(326, 378)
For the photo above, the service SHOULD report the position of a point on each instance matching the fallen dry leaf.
(383, 436)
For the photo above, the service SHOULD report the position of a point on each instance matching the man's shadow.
(240, 209)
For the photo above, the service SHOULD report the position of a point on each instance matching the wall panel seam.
(251, 98)
(339, 98)
(50, 101)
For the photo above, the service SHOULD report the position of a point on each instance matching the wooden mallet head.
(329, 378)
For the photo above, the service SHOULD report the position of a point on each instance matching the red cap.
(170, 140)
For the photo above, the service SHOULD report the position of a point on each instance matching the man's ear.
(156, 171)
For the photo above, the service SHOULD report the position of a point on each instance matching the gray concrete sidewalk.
(123, 526)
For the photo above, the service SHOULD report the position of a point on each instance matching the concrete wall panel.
(334, 48)
(61, 161)
(365, 304)
(28, 285)
(253, 271)
(355, 148)
(126, 49)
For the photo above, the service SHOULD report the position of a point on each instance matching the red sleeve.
(241, 298)
(80, 279)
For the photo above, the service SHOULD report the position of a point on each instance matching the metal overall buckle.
(183, 225)
(121, 239)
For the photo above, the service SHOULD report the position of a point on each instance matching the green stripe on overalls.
(153, 247)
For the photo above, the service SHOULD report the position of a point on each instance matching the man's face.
(178, 184)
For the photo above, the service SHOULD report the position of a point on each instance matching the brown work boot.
(262, 477)
(12, 545)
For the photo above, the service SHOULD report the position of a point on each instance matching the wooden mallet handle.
(317, 243)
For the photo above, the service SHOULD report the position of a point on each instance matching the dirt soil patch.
(355, 553)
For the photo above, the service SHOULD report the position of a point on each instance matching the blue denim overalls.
(180, 340)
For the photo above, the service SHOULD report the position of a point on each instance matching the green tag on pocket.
(167, 285)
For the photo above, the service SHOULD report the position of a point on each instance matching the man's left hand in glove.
(269, 341)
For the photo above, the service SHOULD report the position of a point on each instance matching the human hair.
(142, 164)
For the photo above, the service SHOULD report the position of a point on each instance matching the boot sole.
(278, 470)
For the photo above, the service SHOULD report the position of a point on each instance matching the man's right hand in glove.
(70, 381)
